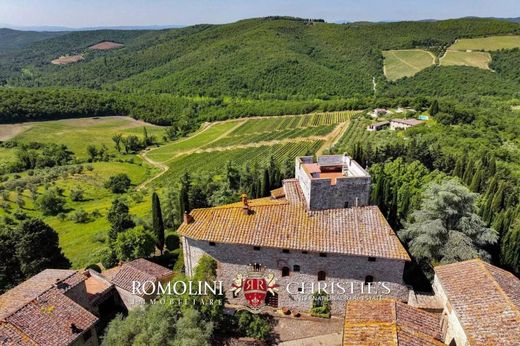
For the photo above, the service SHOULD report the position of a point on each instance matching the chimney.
(246, 209)
(187, 218)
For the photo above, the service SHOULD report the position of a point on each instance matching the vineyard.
(356, 131)
(215, 161)
(291, 122)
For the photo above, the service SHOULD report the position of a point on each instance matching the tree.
(119, 218)
(50, 202)
(446, 228)
(157, 221)
(192, 330)
(134, 243)
(92, 153)
(118, 183)
(510, 246)
(131, 144)
(117, 141)
(434, 108)
(10, 271)
(38, 248)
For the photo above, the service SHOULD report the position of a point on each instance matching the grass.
(406, 63)
(462, 58)
(78, 133)
(490, 43)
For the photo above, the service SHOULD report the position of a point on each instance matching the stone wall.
(234, 259)
(79, 295)
(450, 325)
(320, 193)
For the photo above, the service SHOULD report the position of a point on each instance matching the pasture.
(490, 43)
(78, 133)
(462, 58)
(406, 62)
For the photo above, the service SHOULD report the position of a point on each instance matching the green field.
(76, 134)
(489, 43)
(461, 58)
(406, 62)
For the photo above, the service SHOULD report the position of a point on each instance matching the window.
(323, 254)
(300, 289)
(322, 276)
(305, 252)
(285, 251)
(256, 248)
(296, 268)
(369, 279)
(212, 243)
(346, 205)
(371, 259)
(285, 271)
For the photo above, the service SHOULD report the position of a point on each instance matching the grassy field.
(462, 58)
(406, 63)
(490, 43)
(78, 133)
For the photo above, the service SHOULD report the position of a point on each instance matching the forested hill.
(264, 57)
(14, 39)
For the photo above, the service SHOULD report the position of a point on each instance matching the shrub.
(320, 305)
(118, 183)
(77, 194)
(253, 326)
(134, 243)
(80, 216)
(50, 202)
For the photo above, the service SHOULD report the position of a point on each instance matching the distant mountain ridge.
(108, 27)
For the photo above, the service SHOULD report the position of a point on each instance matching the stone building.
(481, 304)
(68, 307)
(402, 124)
(318, 229)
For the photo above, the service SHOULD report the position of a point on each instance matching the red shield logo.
(255, 290)
(255, 284)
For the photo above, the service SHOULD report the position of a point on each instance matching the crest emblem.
(256, 283)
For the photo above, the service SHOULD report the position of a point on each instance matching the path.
(329, 140)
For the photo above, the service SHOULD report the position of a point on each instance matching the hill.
(270, 57)
(14, 39)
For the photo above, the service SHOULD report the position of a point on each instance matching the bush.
(118, 183)
(172, 242)
(253, 326)
(80, 216)
(134, 243)
(77, 194)
(320, 305)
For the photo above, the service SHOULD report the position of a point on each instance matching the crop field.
(490, 43)
(406, 62)
(462, 58)
(215, 160)
(356, 131)
(76, 134)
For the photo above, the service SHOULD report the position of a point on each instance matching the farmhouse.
(378, 126)
(396, 124)
(63, 307)
(317, 229)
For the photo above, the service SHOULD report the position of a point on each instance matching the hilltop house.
(63, 307)
(398, 124)
(317, 228)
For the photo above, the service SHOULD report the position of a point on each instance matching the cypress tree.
(476, 181)
(434, 107)
(157, 220)
(184, 194)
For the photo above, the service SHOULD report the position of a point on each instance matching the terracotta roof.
(361, 231)
(486, 301)
(18, 296)
(10, 335)
(51, 319)
(139, 270)
(278, 193)
(389, 322)
(96, 287)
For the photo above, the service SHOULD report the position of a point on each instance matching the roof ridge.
(138, 269)
(500, 289)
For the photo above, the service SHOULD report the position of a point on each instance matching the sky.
(92, 13)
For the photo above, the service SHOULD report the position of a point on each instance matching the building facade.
(316, 231)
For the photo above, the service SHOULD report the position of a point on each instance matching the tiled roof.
(411, 122)
(18, 296)
(139, 270)
(10, 335)
(51, 319)
(389, 322)
(286, 223)
(486, 301)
